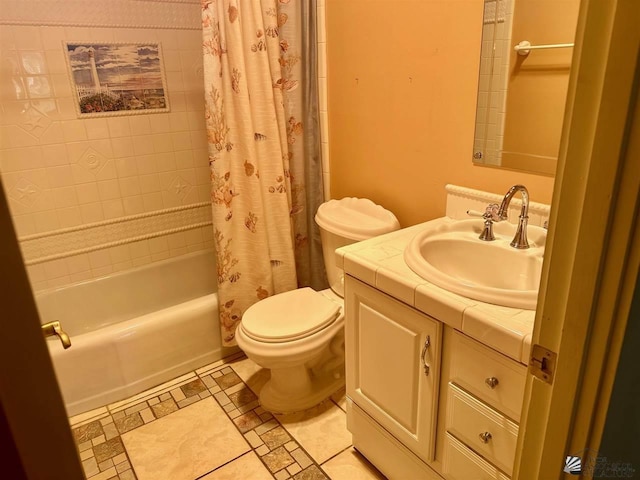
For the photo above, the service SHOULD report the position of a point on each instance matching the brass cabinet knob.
(485, 437)
(492, 382)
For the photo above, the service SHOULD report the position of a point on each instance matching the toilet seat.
(289, 316)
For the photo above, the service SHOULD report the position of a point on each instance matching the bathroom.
(408, 186)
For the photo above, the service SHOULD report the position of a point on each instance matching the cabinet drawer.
(459, 462)
(490, 376)
(469, 420)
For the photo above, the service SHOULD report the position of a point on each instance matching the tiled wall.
(61, 172)
(322, 87)
(494, 77)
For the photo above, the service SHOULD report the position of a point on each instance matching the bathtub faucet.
(52, 329)
(520, 238)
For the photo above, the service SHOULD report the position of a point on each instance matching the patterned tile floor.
(209, 425)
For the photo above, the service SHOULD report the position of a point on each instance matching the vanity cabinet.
(393, 366)
(458, 419)
(423, 399)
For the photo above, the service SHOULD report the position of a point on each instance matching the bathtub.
(133, 330)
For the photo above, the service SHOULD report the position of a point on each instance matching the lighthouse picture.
(117, 78)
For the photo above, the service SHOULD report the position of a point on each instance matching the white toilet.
(299, 335)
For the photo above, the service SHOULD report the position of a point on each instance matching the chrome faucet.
(520, 238)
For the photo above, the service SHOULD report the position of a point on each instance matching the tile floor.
(208, 424)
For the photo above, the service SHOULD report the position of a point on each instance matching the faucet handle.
(474, 213)
(491, 212)
(490, 215)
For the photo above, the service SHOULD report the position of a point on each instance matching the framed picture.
(117, 78)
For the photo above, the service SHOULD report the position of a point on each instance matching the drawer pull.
(485, 437)
(427, 344)
(492, 382)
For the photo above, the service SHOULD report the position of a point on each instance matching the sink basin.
(449, 254)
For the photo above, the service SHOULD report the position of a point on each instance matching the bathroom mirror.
(522, 95)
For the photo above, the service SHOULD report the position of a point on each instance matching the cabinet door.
(393, 365)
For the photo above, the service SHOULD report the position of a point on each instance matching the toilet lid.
(289, 316)
(355, 218)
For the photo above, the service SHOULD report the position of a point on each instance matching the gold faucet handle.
(52, 329)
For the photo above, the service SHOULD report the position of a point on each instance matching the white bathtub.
(134, 329)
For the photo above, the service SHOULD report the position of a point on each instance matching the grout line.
(226, 463)
(337, 404)
(130, 462)
(339, 453)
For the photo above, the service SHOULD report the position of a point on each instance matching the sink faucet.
(520, 238)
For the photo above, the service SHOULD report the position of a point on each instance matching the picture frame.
(117, 78)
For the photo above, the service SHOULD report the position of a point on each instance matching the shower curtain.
(261, 108)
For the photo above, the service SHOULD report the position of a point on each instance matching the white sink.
(449, 254)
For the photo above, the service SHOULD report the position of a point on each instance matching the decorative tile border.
(174, 14)
(461, 199)
(44, 247)
(97, 433)
(101, 451)
(279, 452)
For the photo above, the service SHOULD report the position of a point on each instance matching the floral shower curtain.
(261, 112)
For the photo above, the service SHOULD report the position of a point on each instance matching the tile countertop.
(379, 262)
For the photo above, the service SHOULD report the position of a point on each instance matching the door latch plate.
(542, 363)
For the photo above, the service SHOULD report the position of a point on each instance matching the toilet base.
(297, 388)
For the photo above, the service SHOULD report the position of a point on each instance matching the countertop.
(379, 262)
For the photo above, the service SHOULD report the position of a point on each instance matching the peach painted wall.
(402, 81)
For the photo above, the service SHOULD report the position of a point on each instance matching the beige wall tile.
(85, 170)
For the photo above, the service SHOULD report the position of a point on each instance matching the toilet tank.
(346, 221)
